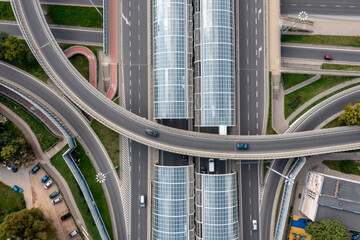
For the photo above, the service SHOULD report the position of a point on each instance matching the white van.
(211, 166)
(142, 200)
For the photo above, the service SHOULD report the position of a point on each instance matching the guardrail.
(69, 161)
(280, 227)
(105, 26)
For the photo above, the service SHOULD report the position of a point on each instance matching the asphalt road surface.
(321, 7)
(318, 53)
(183, 142)
(71, 115)
(62, 34)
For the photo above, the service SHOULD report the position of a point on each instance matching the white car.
(48, 184)
(254, 224)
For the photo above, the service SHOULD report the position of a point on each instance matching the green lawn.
(323, 99)
(81, 63)
(266, 164)
(269, 129)
(292, 79)
(6, 12)
(109, 139)
(43, 134)
(309, 91)
(323, 40)
(340, 67)
(344, 166)
(334, 123)
(10, 201)
(75, 16)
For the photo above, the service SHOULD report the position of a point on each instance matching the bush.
(348, 166)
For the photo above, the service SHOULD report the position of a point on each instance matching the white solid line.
(322, 48)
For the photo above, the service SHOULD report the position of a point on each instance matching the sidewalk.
(45, 161)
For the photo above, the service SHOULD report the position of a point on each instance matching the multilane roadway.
(321, 7)
(174, 140)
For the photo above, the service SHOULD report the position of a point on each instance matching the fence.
(280, 227)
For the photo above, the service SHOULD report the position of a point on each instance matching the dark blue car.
(45, 178)
(35, 169)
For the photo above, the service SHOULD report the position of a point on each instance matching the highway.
(98, 3)
(135, 68)
(39, 90)
(170, 139)
(62, 34)
(252, 103)
(321, 7)
(318, 53)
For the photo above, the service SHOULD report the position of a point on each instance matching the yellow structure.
(297, 229)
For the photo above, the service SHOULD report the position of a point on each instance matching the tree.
(327, 229)
(351, 115)
(8, 152)
(3, 37)
(13, 49)
(26, 224)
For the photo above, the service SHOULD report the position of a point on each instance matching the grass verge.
(323, 99)
(304, 94)
(269, 129)
(6, 12)
(344, 166)
(10, 200)
(340, 67)
(334, 123)
(45, 137)
(292, 79)
(81, 63)
(75, 16)
(350, 41)
(109, 139)
(266, 164)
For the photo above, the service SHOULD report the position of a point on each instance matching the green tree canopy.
(351, 115)
(8, 152)
(327, 229)
(13, 49)
(26, 224)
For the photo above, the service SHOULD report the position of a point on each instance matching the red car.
(328, 57)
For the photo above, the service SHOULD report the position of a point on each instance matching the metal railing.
(281, 223)
(105, 27)
(69, 161)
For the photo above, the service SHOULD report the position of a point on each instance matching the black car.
(54, 194)
(14, 168)
(184, 158)
(35, 169)
(65, 216)
(203, 169)
(152, 133)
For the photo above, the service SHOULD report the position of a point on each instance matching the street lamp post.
(101, 177)
(302, 16)
(289, 179)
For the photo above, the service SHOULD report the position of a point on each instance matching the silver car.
(56, 201)
(48, 184)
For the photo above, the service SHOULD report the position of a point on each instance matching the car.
(142, 200)
(35, 169)
(152, 133)
(48, 184)
(14, 168)
(202, 169)
(17, 189)
(211, 165)
(73, 233)
(65, 216)
(9, 166)
(243, 146)
(45, 178)
(254, 224)
(54, 194)
(184, 158)
(4, 164)
(328, 57)
(55, 201)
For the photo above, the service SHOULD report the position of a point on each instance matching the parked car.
(73, 233)
(142, 200)
(45, 178)
(17, 189)
(48, 184)
(4, 164)
(54, 194)
(35, 169)
(14, 168)
(211, 165)
(9, 166)
(184, 158)
(202, 169)
(65, 216)
(254, 224)
(55, 201)
(328, 57)
(243, 146)
(152, 133)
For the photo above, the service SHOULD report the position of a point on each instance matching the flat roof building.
(173, 203)
(172, 59)
(214, 67)
(216, 207)
(330, 197)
